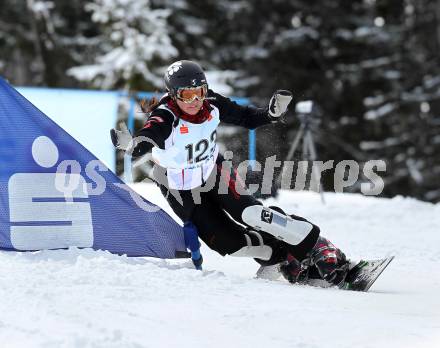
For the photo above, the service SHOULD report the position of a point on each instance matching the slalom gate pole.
(192, 243)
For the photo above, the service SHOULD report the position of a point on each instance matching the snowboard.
(360, 277)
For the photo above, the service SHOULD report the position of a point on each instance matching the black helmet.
(184, 73)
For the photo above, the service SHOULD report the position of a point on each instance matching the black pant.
(216, 209)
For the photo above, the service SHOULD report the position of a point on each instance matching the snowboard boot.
(325, 262)
(329, 261)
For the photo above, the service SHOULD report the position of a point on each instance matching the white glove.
(279, 102)
(121, 139)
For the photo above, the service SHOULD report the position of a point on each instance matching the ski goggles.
(189, 94)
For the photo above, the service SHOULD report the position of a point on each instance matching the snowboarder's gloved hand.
(121, 139)
(278, 104)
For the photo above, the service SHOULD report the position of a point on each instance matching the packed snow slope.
(84, 298)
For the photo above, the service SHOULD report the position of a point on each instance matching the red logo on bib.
(183, 129)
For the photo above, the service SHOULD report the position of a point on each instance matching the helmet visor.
(189, 94)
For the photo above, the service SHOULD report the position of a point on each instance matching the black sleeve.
(246, 116)
(157, 129)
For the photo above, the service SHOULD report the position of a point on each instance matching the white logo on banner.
(41, 218)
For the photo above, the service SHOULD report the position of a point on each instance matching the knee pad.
(279, 225)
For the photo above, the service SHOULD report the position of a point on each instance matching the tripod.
(305, 132)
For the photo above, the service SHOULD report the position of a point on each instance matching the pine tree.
(403, 122)
(134, 44)
(372, 66)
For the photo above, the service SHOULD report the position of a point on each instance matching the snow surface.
(84, 298)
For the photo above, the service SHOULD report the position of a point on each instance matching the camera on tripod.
(308, 112)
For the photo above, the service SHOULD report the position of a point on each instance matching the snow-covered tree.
(133, 45)
(402, 112)
(40, 40)
(373, 67)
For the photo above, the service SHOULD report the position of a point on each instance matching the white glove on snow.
(278, 103)
(121, 139)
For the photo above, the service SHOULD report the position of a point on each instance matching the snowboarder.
(181, 134)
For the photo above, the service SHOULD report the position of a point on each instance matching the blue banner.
(55, 194)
